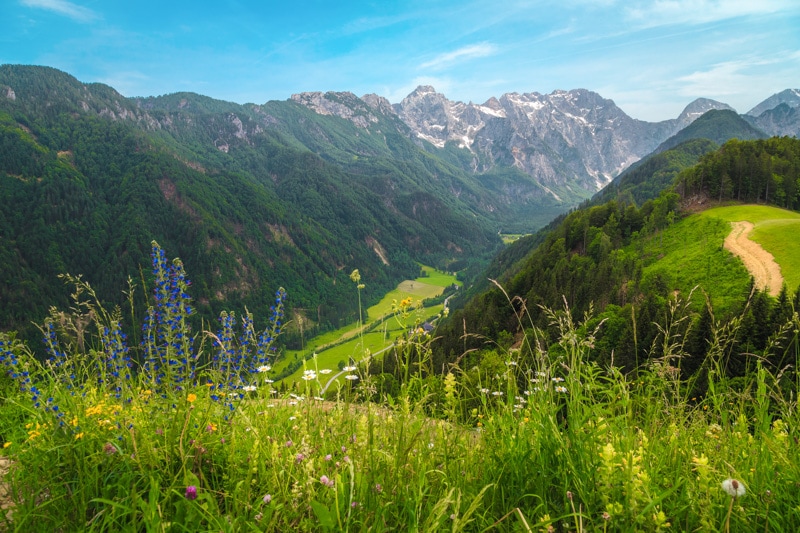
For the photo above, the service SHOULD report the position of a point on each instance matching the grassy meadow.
(775, 229)
(179, 433)
(398, 311)
(690, 252)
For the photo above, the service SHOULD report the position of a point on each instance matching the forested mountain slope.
(625, 263)
(89, 179)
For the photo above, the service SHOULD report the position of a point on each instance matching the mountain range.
(297, 192)
(566, 140)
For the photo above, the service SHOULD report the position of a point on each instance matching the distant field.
(428, 286)
(508, 238)
(776, 230)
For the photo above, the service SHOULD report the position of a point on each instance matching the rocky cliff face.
(574, 139)
(576, 136)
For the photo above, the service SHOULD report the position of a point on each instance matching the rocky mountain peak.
(696, 109)
(430, 114)
(790, 97)
(344, 105)
(379, 103)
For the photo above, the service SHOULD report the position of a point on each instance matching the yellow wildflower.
(79, 435)
(191, 398)
(7, 444)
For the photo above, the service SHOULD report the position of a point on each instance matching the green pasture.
(776, 230)
(508, 238)
(690, 255)
(345, 343)
(356, 348)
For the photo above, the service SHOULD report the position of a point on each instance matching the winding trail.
(758, 261)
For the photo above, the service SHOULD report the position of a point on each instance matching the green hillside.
(776, 230)
(626, 265)
(250, 197)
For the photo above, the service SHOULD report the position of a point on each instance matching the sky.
(651, 57)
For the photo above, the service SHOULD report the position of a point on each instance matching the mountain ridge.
(575, 138)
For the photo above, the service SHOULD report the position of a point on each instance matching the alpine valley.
(298, 193)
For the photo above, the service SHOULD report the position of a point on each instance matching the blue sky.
(651, 57)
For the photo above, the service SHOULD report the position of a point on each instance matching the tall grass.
(183, 432)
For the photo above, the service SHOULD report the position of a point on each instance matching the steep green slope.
(646, 179)
(718, 126)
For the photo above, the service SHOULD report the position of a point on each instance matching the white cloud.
(62, 7)
(740, 80)
(466, 52)
(667, 12)
(720, 79)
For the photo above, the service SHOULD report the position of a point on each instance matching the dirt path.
(5, 497)
(760, 263)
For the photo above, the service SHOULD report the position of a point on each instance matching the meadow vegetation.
(180, 430)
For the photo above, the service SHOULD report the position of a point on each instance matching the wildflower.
(351, 377)
(289, 443)
(328, 457)
(191, 492)
(497, 393)
(326, 481)
(264, 368)
(267, 498)
(557, 380)
(211, 427)
(354, 505)
(191, 397)
(484, 391)
(378, 488)
(325, 371)
(733, 487)
(299, 458)
(249, 388)
(7, 444)
(349, 369)
(79, 435)
(561, 389)
(109, 448)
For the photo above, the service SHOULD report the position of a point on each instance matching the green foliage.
(629, 262)
(529, 438)
(645, 179)
(244, 194)
(764, 171)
